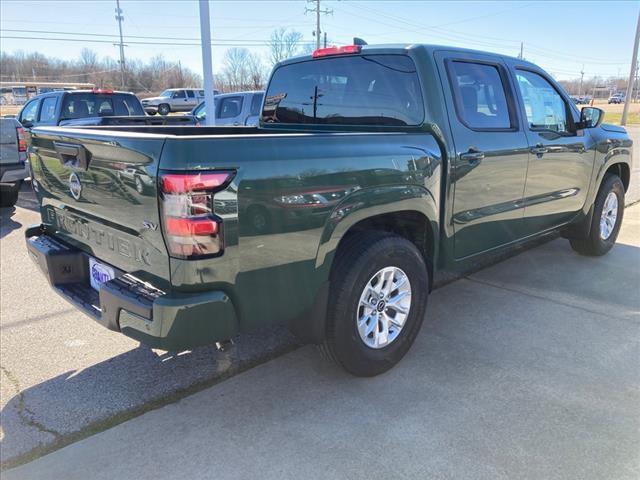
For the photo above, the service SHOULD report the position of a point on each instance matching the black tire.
(356, 262)
(259, 220)
(139, 185)
(152, 112)
(164, 109)
(593, 244)
(9, 196)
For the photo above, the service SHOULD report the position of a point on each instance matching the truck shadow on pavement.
(8, 224)
(77, 404)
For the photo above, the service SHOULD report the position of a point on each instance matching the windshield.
(84, 105)
(353, 90)
(166, 93)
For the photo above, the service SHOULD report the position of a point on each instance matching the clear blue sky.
(559, 36)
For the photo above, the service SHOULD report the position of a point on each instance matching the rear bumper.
(14, 173)
(131, 306)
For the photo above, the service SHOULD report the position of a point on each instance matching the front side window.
(178, 94)
(479, 94)
(200, 112)
(352, 90)
(30, 111)
(48, 110)
(544, 107)
(229, 107)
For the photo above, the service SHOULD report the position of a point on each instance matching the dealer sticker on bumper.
(99, 273)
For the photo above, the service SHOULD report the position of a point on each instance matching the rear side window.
(48, 110)
(479, 94)
(256, 103)
(353, 90)
(190, 94)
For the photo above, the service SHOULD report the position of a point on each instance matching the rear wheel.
(164, 109)
(378, 297)
(608, 210)
(9, 195)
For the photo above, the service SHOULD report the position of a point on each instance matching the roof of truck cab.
(405, 47)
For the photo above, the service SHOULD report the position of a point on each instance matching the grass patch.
(633, 118)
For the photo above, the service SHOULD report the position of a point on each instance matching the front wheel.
(379, 289)
(608, 210)
(164, 109)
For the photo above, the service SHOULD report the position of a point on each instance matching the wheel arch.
(408, 211)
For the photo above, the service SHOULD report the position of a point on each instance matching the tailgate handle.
(72, 156)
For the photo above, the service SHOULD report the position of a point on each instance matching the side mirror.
(590, 117)
(27, 123)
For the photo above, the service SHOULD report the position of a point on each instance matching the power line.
(145, 37)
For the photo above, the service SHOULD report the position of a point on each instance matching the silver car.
(173, 100)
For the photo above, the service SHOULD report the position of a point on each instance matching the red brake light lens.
(102, 90)
(344, 50)
(191, 228)
(22, 141)
(186, 183)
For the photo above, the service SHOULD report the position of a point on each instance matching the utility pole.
(120, 19)
(636, 83)
(581, 78)
(207, 64)
(521, 56)
(325, 39)
(317, 10)
(632, 73)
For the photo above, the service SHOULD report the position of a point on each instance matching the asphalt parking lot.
(527, 369)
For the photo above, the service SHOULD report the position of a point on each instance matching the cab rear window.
(353, 90)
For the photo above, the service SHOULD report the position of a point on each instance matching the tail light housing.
(22, 140)
(191, 228)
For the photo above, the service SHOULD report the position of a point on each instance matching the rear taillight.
(191, 228)
(22, 141)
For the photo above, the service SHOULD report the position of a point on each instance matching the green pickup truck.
(374, 170)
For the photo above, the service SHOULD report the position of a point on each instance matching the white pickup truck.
(174, 100)
(14, 167)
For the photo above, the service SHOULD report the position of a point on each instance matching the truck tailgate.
(99, 194)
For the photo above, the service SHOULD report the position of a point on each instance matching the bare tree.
(284, 44)
(151, 77)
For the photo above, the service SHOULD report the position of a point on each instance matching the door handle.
(473, 156)
(539, 150)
